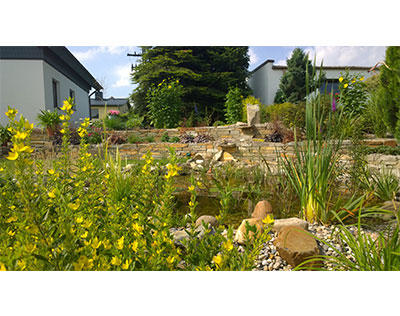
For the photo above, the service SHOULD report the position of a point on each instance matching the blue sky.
(111, 66)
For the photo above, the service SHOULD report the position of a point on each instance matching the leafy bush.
(134, 121)
(233, 106)
(134, 138)
(353, 93)
(114, 122)
(94, 135)
(174, 139)
(289, 114)
(218, 123)
(165, 137)
(373, 116)
(165, 104)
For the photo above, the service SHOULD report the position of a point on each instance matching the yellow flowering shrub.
(89, 214)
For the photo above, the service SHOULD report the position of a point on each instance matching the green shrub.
(174, 139)
(289, 114)
(134, 138)
(149, 139)
(165, 104)
(373, 116)
(114, 122)
(353, 93)
(233, 106)
(134, 121)
(218, 123)
(165, 138)
(5, 135)
(386, 150)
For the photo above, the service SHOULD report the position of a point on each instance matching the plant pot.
(51, 131)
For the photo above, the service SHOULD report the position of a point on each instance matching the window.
(95, 113)
(72, 94)
(330, 85)
(55, 93)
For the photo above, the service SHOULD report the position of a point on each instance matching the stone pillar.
(253, 114)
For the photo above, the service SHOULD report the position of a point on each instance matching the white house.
(34, 78)
(265, 79)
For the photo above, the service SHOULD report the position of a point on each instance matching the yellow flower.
(191, 188)
(62, 131)
(28, 126)
(73, 206)
(340, 79)
(345, 85)
(170, 259)
(79, 220)
(96, 243)
(268, 220)
(177, 81)
(84, 235)
(354, 80)
(11, 112)
(51, 194)
(2, 267)
(20, 135)
(11, 233)
(87, 224)
(136, 227)
(191, 204)
(362, 78)
(116, 261)
(21, 264)
(169, 87)
(120, 243)
(217, 260)
(50, 171)
(12, 156)
(125, 265)
(1, 169)
(84, 169)
(228, 245)
(135, 245)
(62, 117)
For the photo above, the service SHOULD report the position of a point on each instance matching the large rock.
(241, 231)
(253, 114)
(286, 222)
(208, 220)
(262, 209)
(295, 245)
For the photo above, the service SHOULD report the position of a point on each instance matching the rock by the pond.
(286, 222)
(295, 245)
(241, 232)
(208, 220)
(179, 236)
(262, 209)
(218, 155)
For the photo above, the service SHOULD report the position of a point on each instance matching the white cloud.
(123, 76)
(347, 55)
(97, 50)
(253, 57)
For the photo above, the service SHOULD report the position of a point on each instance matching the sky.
(111, 66)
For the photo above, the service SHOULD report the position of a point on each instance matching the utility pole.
(133, 55)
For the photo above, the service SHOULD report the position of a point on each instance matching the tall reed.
(312, 169)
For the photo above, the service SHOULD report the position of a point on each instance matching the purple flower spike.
(333, 105)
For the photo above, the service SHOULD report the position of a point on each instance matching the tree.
(292, 87)
(389, 94)
(205, 72)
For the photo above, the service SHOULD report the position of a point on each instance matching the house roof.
(317, 67)
(109, 101)
(58, 57)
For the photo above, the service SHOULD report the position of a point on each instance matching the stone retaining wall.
(235, 142)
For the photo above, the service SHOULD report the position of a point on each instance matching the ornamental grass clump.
(92, 214)
(313, 169)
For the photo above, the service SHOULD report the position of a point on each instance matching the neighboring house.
(34, 78)
(99, 106)
(265, 79)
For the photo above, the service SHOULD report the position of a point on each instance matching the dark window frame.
(72, 94)
(55, 87)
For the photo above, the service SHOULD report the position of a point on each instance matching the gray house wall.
(265, 79)
(26, 80)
